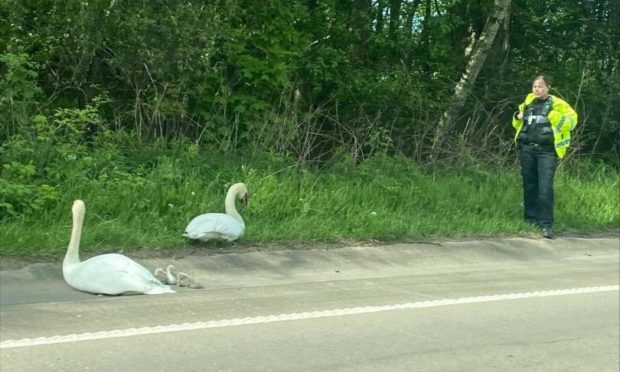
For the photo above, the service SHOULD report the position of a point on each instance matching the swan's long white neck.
(229, 204)
(72, 257)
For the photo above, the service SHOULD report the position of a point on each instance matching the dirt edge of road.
(209, 249)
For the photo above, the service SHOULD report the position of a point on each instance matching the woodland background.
(96, 90)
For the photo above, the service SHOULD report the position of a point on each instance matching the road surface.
(508, 304)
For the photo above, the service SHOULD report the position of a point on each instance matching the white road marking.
(129, 332)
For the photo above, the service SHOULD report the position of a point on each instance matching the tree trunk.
(394, 19)
(360, 23)
(463, 87)
(425, 42)
(409, 33)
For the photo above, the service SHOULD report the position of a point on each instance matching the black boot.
(548, 233)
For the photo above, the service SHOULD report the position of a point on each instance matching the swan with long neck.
(111, 273)
(227, 226)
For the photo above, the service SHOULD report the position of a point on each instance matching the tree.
(468, 78)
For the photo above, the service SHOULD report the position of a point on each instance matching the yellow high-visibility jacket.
(562, 117)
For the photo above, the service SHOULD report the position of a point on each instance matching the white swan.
(227, 226)
(110, 274)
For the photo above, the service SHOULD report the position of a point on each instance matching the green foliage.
(312, 78)
(143, 196)
(19, 196)
(19, 93)
(57, 154)
(146, 109)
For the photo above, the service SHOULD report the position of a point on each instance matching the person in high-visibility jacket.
(543, 124)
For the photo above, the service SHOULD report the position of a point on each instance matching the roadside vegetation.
(348, 121)
(144, 195)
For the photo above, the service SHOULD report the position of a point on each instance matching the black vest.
(536, 126)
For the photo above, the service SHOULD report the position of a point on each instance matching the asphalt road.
(493, 305)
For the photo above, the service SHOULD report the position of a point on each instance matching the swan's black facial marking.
(244, 199)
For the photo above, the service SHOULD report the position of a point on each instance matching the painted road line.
(129, 332)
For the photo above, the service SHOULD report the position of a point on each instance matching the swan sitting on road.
(110, 274)
(227, 226)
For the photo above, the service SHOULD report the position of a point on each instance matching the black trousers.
(538, 163)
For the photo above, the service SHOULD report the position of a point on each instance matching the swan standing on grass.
(110, 274)
(227, 226)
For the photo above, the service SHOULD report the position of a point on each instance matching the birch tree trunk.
(463, 87)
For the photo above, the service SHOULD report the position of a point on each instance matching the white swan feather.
(110, 274)
(227, 226)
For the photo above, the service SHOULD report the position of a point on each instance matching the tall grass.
(144, 197)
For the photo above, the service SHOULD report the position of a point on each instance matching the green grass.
(145, 198)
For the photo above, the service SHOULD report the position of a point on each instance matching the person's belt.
(537, 146)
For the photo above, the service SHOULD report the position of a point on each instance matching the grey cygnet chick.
(166, 276)
(184, 280)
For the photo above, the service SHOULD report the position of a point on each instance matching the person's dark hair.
(544, 78)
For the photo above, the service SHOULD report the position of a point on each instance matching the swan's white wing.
(114, 274)
(214, 226)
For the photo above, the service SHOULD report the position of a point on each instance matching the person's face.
(540, 89)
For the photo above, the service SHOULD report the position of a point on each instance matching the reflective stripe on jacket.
(562, 117)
